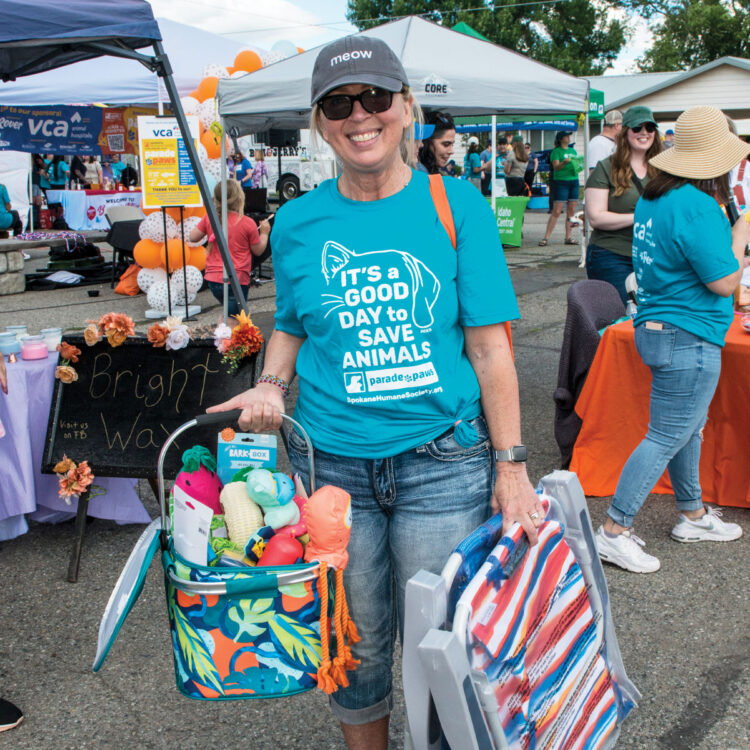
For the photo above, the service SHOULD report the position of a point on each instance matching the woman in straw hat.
(406, 377)
(687, 260)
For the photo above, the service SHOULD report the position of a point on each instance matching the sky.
(309, 23)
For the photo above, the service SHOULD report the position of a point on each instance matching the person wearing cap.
(421, 133)
(612, 190)
(565, 186)
(406, 380)
(668, 138)
(485, 157)
(473, 168)
(437, 148)
(515, 167)
(687, 261)
(603, 145)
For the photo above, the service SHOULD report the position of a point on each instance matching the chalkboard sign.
(128, 399)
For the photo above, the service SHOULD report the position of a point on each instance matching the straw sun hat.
(704, 147)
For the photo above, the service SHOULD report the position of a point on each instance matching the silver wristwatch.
(516, 455)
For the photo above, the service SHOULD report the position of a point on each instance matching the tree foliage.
(575, 35)
(694, 32)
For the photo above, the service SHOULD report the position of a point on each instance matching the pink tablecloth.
(24, 490)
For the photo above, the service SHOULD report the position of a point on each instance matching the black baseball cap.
(356, 59)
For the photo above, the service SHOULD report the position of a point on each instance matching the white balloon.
(284, 47)
(239, 74)
(269, 58)
(152, 227)
(202, 154)
(147, 277)
(193, 277)
(213, 167)
(214, 69)
(188, 225)
(207, 113)
(189, 105)
(157, 296)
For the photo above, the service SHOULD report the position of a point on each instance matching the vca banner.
(71, 130)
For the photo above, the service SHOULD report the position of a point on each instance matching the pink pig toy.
(198, 477)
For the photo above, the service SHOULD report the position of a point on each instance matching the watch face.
(518, 453)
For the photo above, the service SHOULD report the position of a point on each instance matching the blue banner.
(52, 130)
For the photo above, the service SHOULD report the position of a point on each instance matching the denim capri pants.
(565, 190)
(408, 513)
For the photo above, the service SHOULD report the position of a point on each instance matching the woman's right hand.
(741, 230)
(261, 406)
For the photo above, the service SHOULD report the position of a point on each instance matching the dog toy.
(281, 549)
(328, 516)
(198, 478)
(274, 493)
(241, 515)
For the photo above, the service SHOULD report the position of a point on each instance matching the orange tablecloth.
(614, 408)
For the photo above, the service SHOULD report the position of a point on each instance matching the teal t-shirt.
(568, 171)
(380, 297)
(6, 220)
(471, 162)
(58, 174)
(681, 242)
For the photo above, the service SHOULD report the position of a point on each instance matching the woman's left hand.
(514, 497)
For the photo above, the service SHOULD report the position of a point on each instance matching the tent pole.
(164, 71)
(585, 225)
(493, 159)
(31, 193)
(224, 221)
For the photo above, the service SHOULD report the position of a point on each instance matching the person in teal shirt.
(473, 163)
(406, 378)
(57, 173)
(687, 262)
(9, 218)
(565, 186)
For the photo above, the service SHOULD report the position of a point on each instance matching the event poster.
(68, 130)
(167, 177)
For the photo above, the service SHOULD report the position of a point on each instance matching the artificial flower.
(64, 466)
(178, 338)
(172, 322)
(118, 322)
(75, 480)
(248, 337)
(222, 332)
(157, 334)
(66, 374)
(68, 351)
(116, 337)
(92, 335)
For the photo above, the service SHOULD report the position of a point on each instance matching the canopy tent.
(76, 30)
(448, 70)
(118, 82)
(543, 124)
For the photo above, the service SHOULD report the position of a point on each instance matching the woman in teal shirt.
(565, 186)
(687, 261)
(406, 379)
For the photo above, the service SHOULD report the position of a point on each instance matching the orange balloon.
(195, 94)
(231, 69)
(248, 60)
(147, 253)
(300, 50)
(212, 144)
(198, 211)
(174, 212)
(197, 258)
(207, 88)
(173, 253)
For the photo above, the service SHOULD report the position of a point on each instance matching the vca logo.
(56, 128)
(165, 133)
(435, 86)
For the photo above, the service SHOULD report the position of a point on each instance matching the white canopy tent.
(448, 70)
(115, 81)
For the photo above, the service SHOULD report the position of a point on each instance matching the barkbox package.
(236, 450)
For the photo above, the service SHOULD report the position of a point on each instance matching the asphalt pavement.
(683, 631)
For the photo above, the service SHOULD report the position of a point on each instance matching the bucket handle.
(220, 417)
(253, 584)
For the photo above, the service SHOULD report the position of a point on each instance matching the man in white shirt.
(603, 145)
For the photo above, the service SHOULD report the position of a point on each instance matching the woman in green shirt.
(612, 190)
(565, 186)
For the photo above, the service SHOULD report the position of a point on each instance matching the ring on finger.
(533, 516)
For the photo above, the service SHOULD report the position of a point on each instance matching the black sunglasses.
(340, 106)
(650, 127)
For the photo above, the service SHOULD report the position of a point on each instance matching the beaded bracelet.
(275, 380)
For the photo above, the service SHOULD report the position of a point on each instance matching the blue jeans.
(685, 370)
(408, 513)
(565, 190)
(217, 289)
(604, 265)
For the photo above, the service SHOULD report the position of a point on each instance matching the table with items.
(87, 209)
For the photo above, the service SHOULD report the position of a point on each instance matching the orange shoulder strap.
(443, 208)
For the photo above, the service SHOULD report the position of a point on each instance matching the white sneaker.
(625, 550)
(708, 528)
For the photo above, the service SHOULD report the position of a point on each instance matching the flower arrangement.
(68, 353)
(171, 334)
(74, 478)
(116, 327)
(245, 339)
